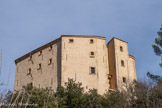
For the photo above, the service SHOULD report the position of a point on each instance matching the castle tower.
(121, 64)
(85, 59)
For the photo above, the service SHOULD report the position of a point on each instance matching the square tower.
(121, 64)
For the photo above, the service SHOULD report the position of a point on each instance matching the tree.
(31, 97)
(156, 78)
(155, 96)
(115, 99)
(92, 99)
(3, 86)
(157, 47)
(70, 96)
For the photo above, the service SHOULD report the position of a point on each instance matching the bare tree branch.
(5, 91)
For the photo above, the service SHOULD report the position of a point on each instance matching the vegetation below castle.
(72, 95)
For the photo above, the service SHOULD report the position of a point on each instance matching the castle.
(87, 59)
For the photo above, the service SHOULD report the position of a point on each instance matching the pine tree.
(158, 45)
(158, 51)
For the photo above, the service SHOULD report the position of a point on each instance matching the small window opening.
(122, 63)
(50, 62)
(39, 66)
(29, 71)
(30, 58)
(124, 79)
(50, 48)
(91, 41)
(121, 48)
(92, 53)
(40, 53)
(92, 70)
(71, 40)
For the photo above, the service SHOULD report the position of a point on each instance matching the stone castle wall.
(71, 57)
(49, 73)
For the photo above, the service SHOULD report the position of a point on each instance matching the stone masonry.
(86, 59)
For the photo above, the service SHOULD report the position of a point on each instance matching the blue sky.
(28, 24)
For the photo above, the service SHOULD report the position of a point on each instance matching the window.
(50, 48)
(71, 40)
(29, 71)
(124, 79)
(50, 62)
(92, 53)
(40, 53)
(92, 70)
(39, 66)
(91, 41)
(121, 48)
(30, 59)
(122, 63)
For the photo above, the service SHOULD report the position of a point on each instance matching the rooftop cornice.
(117, 39)
(84, 36)
(131, 56)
